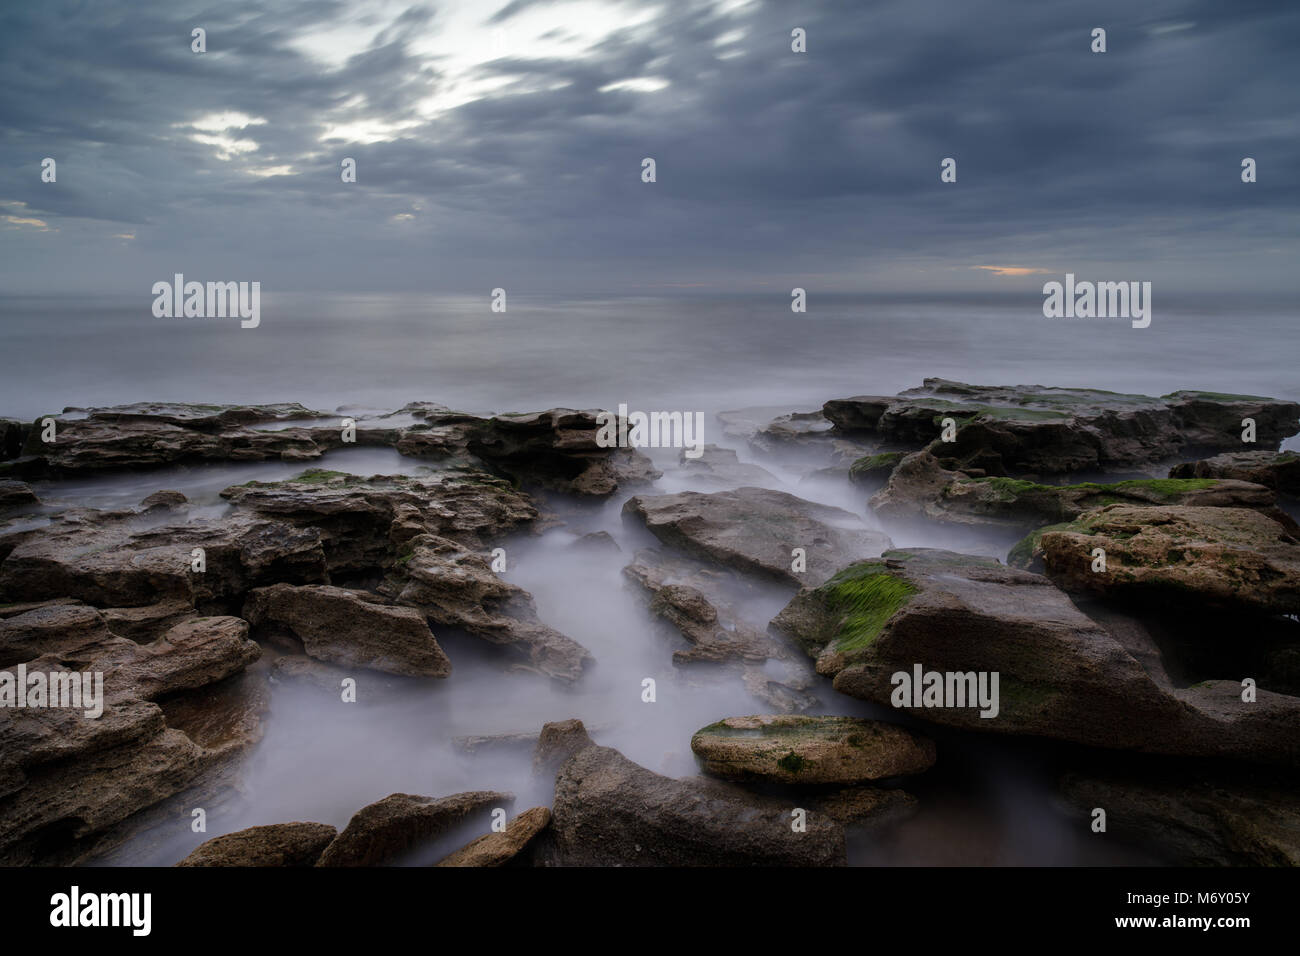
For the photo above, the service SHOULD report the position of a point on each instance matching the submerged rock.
(351, 628)
(279, 844)
(1032, 429)
(1059, 673)
(700, 604)
(721, 466)
(1230, 557)
(810, 750)
(757, 529)
(401, 823)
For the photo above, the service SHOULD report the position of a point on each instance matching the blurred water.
(702, 353)
(989, 802)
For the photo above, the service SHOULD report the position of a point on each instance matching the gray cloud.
(771, 165)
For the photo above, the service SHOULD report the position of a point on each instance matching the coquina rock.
(455, 587)
(1228, 557)
(107, 559)
(756, 530)
(1060, 674)
(399, 825)
(558, 449)
(498, 849)
(1195, 816)
(279, 844)
(361, 520)
(1029, 429)
(919, 486)
(67, 778)
(1277, 470)
(351, 628)
(608, 811)
(787, 748)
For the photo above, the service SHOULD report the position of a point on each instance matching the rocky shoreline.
(1181, 643)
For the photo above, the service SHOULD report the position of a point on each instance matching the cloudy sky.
(499, 143)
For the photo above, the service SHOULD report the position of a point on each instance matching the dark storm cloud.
(771, 165)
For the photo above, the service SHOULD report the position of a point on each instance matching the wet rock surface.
(757, 529)
(279, 844)
(810, 750)
(1060, 674)
(1230, 557)
(1006, 430)
(610, 811)
(401, 823)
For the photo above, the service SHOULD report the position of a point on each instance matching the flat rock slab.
(279, 844)
(810, 750)
(351, 628)
(757, 529)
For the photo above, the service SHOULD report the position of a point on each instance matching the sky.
(499, 143)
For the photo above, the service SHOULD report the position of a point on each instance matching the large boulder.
(1031, 429)
(397, 826)
(350, 628)
(928, 632)
(1226, 557)
(610, 811)
(279, 844)
(810, 750)
(757, 529)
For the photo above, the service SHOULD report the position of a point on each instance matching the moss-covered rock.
(810, 750)
(1037, 430)
(1228, 557)
(1058, 673)
(1277, 470)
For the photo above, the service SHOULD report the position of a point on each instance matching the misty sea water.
(989, 801)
